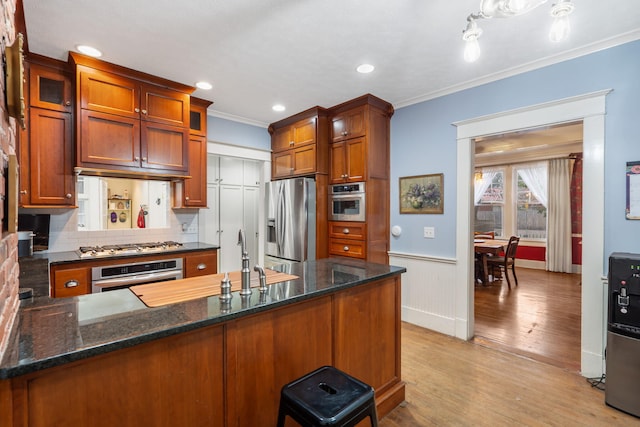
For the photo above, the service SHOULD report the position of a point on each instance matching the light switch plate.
(429, 232)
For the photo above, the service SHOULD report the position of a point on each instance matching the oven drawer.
(201, 264)
(349, 248)
(347, 230)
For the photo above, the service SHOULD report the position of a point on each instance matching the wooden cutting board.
(171, 292)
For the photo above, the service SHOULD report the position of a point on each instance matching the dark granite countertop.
(52, 332)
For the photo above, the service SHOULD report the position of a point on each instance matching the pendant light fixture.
(507, 9)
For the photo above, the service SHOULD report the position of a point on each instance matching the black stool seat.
(327, 397)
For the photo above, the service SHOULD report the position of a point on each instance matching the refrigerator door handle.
(280, 220)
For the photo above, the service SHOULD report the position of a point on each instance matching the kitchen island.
(107, 359)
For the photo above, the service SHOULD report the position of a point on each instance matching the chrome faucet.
(262, 277)
(245, 273)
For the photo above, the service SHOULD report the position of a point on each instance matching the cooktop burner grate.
(124, 248)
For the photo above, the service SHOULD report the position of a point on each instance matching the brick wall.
(9, 269)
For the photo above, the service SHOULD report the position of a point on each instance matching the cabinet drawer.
(347, 230)
(71, 282)
(349, 248)
(201, 264)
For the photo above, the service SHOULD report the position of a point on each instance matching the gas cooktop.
(127, 248)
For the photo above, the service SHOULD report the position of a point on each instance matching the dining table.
(486, 248)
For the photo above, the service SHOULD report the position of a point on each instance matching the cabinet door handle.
(144, 159)
(345, 133)
(67, 103)
(136, 158)
(144, 111)
(186, 198)
(345, 231)
(71, 284)
(291, 143)
(137, 110)
(23, 191)
(346, 248)
(68, 195)
(201, 266)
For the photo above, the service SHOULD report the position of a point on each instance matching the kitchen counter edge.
(307, 286)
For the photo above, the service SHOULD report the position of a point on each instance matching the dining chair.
(509, 259)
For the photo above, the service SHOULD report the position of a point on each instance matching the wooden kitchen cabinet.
(295, 162)
(70, 282)
(360, 139)
(201, 264)
(302, 132)
(46, 144)
(299, 144)
(348, 124)
(195, 187)
(348, 161)
(348, 239)
(50, 89)
(130, 121)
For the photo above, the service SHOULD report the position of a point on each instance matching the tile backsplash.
(64, 234)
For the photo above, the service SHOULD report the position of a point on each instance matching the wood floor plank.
(451, 382)
(540, 318)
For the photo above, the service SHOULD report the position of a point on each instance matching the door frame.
(590, 109)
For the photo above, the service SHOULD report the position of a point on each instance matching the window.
(511, 200)
(531, 197)
(489, 202)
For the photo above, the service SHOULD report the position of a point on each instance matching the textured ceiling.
(303, 53)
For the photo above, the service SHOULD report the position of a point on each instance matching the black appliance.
(623, 334)
(39, 225)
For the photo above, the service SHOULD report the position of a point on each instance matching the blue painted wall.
(423, 140)
(235, 133)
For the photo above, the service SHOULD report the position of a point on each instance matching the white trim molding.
(590, 109)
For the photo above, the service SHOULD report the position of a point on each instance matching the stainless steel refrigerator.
(291, 220)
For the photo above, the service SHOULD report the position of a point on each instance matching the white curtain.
(559, 257)
(536, 179)
(481, 185)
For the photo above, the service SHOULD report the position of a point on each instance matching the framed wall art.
(422, 194)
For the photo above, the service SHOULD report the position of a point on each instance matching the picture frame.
(422, 194)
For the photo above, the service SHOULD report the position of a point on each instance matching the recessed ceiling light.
(365, 68)
(204, 85)
(278, 107)
(88, 50)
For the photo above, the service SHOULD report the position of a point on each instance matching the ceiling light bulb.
(365, 68)
(204, 85)
(88, 50)
(470, 36)
(278, 108)
(560, 27)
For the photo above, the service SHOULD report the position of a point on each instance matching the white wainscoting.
(428, 291)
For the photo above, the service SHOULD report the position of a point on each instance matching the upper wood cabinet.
(195, 186)
(130, 121)
(348, 161)
(348, 124)
(360, 140)
(299, 144)
(49, 88)
(46, 144)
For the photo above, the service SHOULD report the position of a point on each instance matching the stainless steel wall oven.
(108, 278)
(347, 202)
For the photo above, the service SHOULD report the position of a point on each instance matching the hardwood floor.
(539, 318)
(451, 382)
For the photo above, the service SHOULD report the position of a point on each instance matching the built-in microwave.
(347, 202)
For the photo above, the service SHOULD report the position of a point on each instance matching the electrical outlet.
(429, 232)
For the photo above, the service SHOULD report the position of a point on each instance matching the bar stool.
(327, 397)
